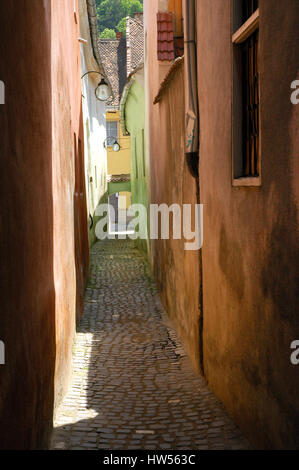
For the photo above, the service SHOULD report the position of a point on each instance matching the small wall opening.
(2, 353)
(2, 93)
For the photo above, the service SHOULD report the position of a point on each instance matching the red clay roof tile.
(165, 46)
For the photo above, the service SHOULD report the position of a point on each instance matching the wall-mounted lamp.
(102, 91)
(113, 143)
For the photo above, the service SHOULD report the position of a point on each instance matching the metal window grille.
(112, 129)
(250, 65)
(248, 8)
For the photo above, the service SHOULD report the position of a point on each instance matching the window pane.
(250, 105)
(112, 129)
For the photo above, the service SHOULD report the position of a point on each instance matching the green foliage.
(132, 6)
(122, 26)
(108, 34)
(112, 13)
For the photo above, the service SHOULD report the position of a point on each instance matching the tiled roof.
(165, 47)
(178, 63)
(119, 178)
(135, 43)
(113, 56)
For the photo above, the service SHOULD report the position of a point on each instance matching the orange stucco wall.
(250, 248)
(250, 251)
(70, 227)
(40, 66)
(176, 270)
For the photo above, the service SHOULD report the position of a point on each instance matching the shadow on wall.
(122, 63)
(27, 320)
(94, 219)
(273, 262)
(80, 222)
(279, 274)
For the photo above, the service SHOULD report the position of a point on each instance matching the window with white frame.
(112, 131)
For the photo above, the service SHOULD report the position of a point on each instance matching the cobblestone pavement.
(133, 386)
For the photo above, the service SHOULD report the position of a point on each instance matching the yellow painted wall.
(118, 162)
(127, 204)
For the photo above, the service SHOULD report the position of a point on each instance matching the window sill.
(247, 28)
(247, 182)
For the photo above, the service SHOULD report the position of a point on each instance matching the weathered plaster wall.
(39, 215)
(27, 319)
(155, 72)
(250, 251)
(176, 270)
(70, 221)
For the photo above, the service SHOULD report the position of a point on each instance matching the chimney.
(138, 16)
(119, 34)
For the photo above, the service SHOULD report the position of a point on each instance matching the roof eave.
(93, 24)
(124, 97)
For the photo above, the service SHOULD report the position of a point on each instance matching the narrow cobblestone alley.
(133, 386)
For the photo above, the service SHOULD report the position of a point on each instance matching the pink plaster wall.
(250, 251)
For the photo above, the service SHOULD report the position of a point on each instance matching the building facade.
(132, 111)
(249, 188)
(44, 244)
(94, 119)
(113, 54)
(234, 303)
(177, 271)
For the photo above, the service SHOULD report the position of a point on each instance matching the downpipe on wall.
(192, 145)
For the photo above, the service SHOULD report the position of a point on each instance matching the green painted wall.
(124, 186)
(135, 123)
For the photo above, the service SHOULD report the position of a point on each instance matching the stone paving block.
(130, 371)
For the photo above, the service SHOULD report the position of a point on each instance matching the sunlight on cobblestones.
(133, 386)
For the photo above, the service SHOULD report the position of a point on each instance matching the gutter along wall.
(155, 72)
(176, 270)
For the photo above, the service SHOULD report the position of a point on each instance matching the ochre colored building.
(118, 163)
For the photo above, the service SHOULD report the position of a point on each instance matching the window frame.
(238, 37)
(117, 131)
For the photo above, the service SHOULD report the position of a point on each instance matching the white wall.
(94, 123)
